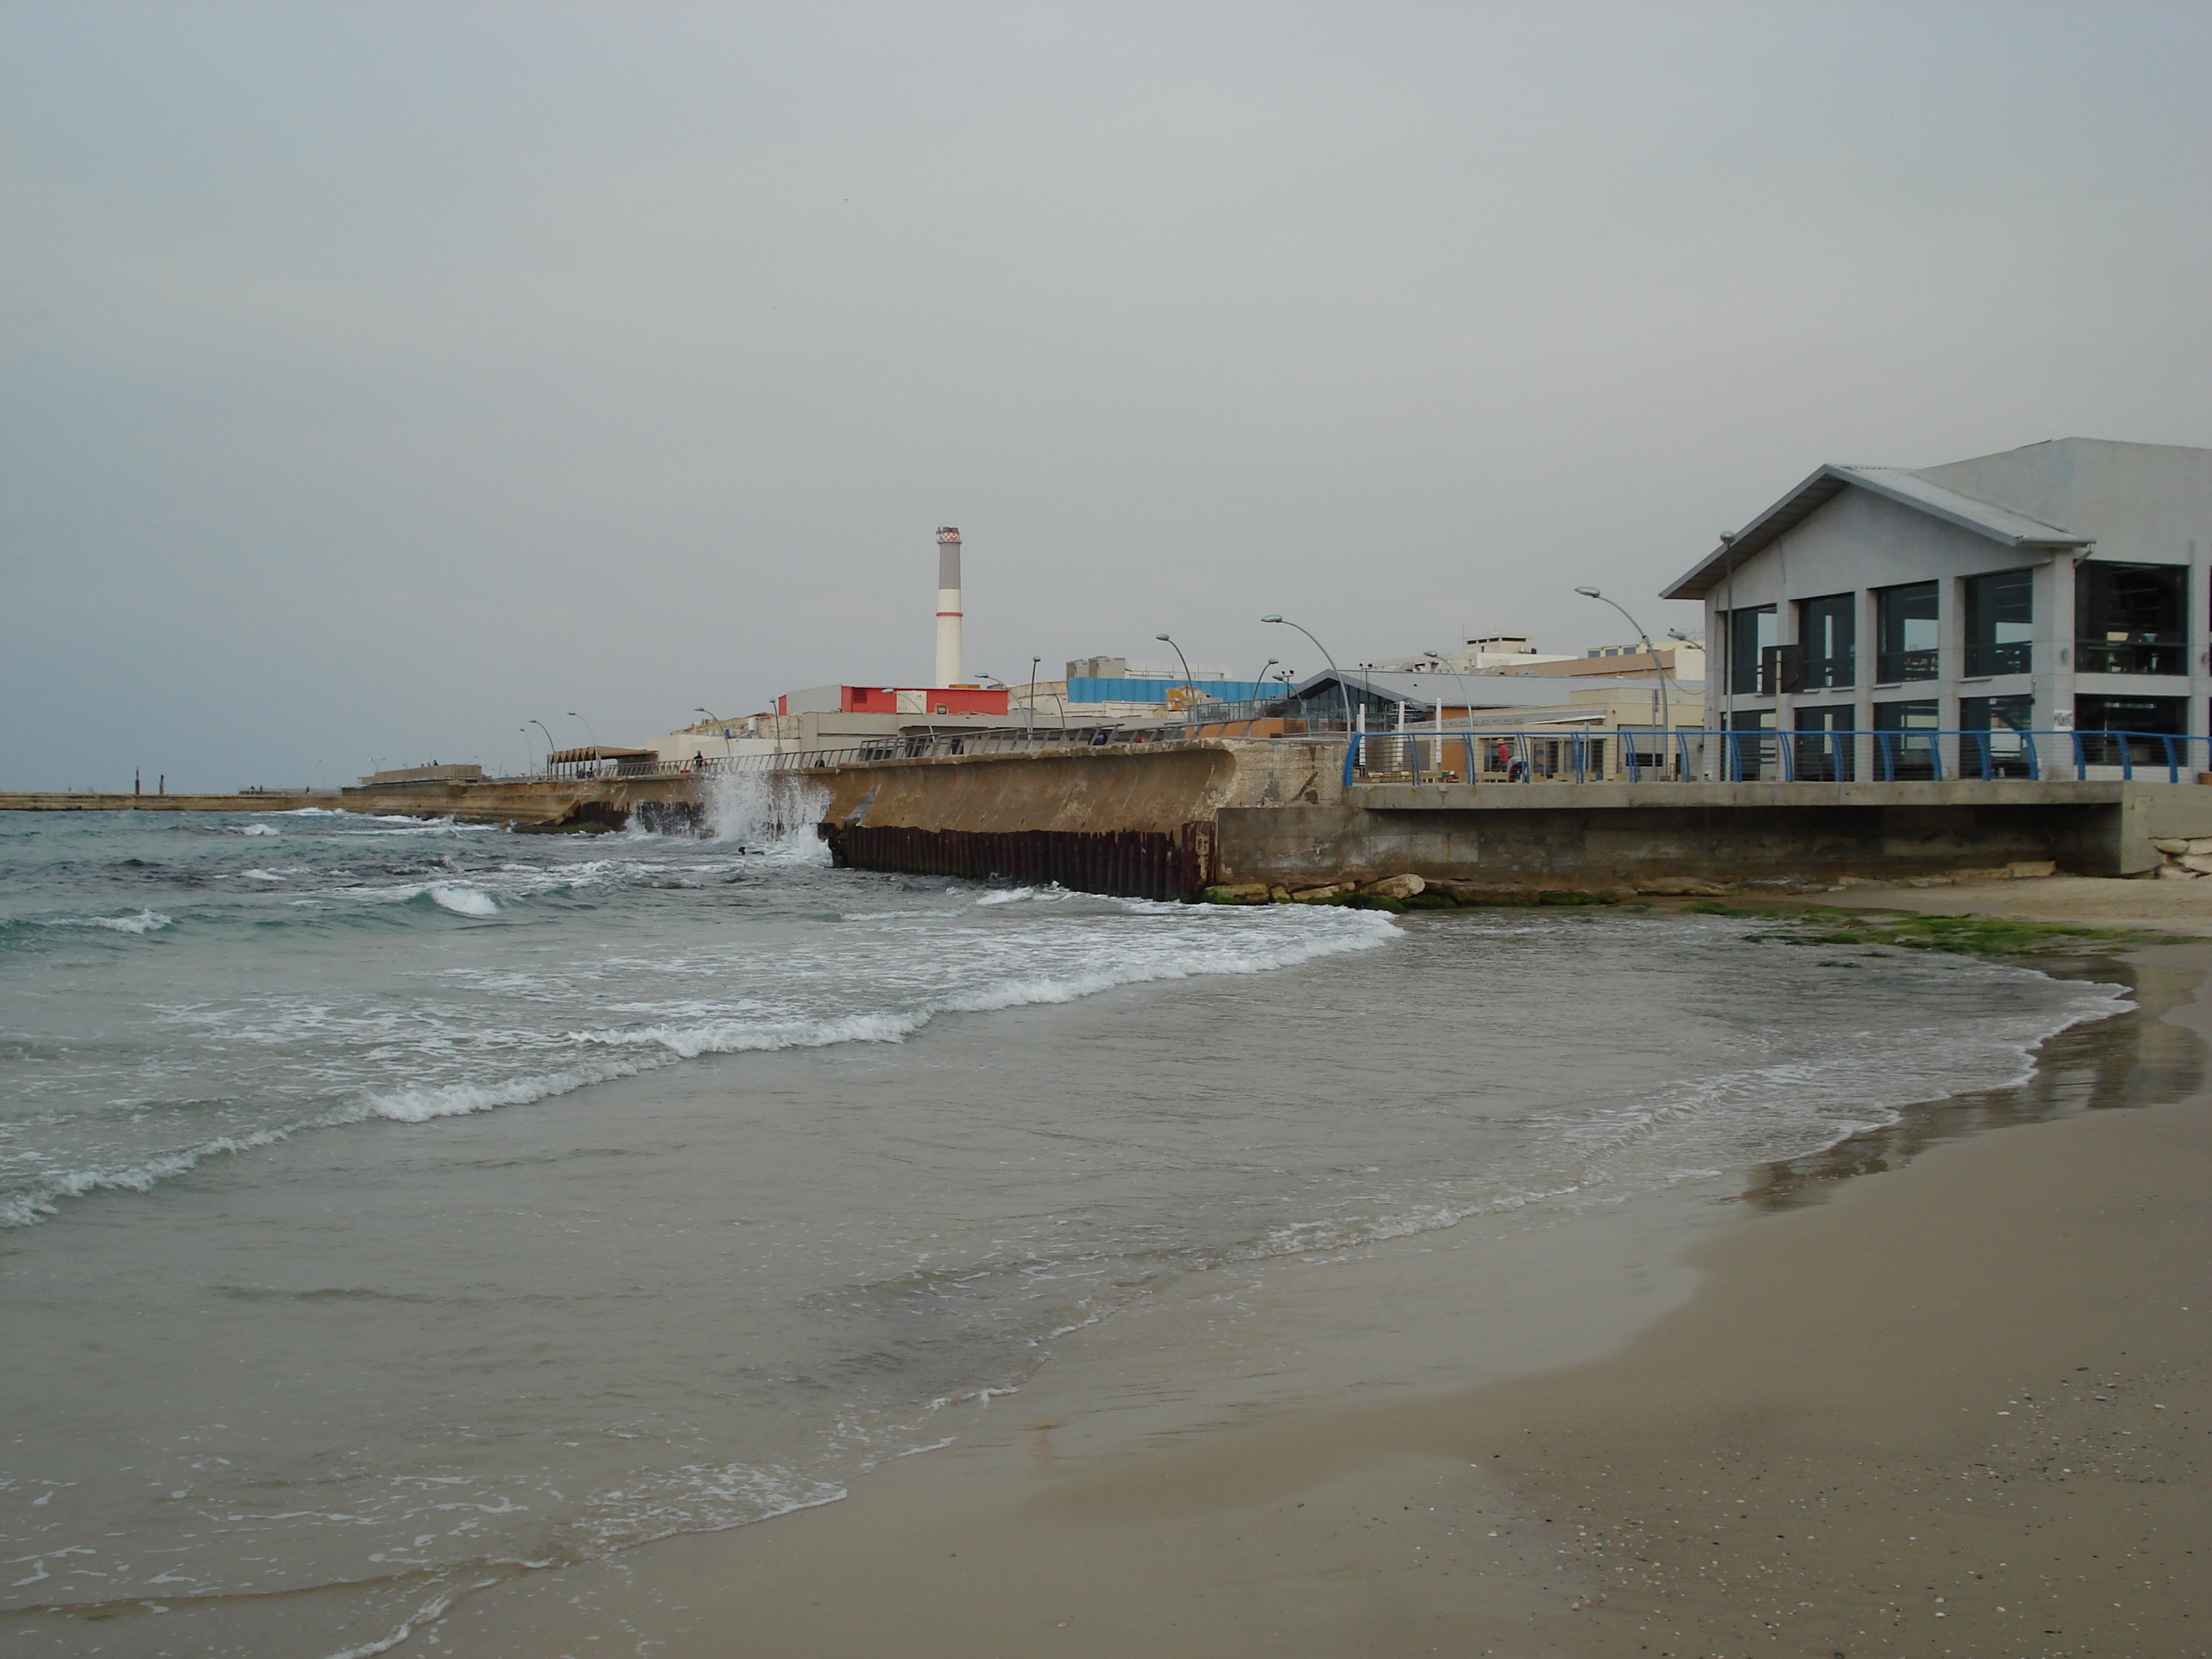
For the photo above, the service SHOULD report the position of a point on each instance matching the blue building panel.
(1156, 690)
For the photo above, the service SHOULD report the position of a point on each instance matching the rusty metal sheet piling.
(1150, 864)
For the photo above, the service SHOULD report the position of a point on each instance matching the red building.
(921, 700)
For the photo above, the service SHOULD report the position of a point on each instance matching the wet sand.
(1953, 1406)
(2169, 907)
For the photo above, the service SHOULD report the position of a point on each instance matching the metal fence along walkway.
(1641, 755)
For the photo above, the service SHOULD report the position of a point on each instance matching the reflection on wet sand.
(2138, 1059)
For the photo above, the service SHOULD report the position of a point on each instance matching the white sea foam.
(145, 922)
(699, 1497)
(21, 1208)
(253, 829)
(463, 901)
(421, 1105)
(773, 812)
(1048, 893)
(648, 1045)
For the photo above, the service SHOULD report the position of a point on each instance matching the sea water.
(392, 1206)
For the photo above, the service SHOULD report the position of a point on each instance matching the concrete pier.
(77, 801)
(606, 802)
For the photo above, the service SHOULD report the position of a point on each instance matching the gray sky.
(376, 377)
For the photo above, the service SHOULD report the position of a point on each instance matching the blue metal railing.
(1885, 756)
(1574, 754)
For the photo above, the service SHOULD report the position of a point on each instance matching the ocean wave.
(698, 1498)
(39, 1198)
(462, 901)
(145, 922)
(1051, 892)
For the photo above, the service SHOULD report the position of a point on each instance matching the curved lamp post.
(550, 746)
(1342, 687)
(592, 735)
(1180, 657)
(1666, 708)
(1467, 705)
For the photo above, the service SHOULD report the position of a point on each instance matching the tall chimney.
(949, 671)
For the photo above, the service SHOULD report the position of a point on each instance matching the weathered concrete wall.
(1585, 846)
(609, 801)
(1597, 834)
(1083, 791)
(1281, 813)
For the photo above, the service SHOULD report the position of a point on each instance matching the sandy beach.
(1951, 1406)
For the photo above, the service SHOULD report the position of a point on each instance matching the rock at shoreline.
(1241, 892)
(1683, 887)
(1397, 887)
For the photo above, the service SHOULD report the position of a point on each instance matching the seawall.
(1238, 811)
(62, 800)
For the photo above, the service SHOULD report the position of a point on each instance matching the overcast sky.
(376, 377)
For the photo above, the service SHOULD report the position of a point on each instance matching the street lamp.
(1188, 685)
(1034, 661)
(1666, 709)
(1466, 706)
(550, 746)
(1342, 687)
(529, 752)
(592, 735)
(1261, 678)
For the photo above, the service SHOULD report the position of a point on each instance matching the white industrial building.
(2060, 587)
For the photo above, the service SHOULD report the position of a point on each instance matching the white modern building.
(2060, 587)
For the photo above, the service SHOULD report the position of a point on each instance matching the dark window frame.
(1835, 668)
(1897, 662)
(1745, 654)
(2122, 624)
(1986, 599)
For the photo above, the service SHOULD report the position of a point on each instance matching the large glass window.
(1749, 632)
(1747, 751)
(2130, 714)
(1824, 743)
(1827, 634)
(1904, 620)
(1993, 740)
(2001, 623)
(1905, 738)
(2099, 721)
(2128, 618)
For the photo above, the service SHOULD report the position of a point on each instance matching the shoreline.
(1116, 1508)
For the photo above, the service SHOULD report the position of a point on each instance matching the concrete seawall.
(1233, 812)
(1134, 821)
(58, 800)
(607, 802)
(1165, 821)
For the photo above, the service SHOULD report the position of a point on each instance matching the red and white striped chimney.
(948, 607)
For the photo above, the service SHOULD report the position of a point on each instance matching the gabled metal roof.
(1896, 484)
